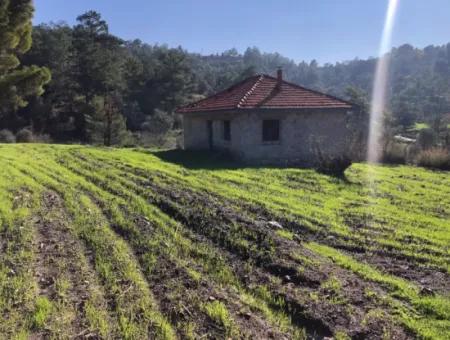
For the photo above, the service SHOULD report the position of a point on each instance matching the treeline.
(110, 91)
(419, 86)
(102, 87)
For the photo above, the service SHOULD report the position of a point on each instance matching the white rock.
(275, 224)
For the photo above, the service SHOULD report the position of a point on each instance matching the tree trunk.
(108, 125)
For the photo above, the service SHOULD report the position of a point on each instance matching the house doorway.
(210, 134)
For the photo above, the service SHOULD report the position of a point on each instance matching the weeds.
(42, 312)
(217, 311)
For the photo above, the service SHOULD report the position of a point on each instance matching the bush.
(426, 138)
(180, 141)
(435, 158)
(335, 166)
(159, 123)
(329, 163)
(25, 136)
(165, 141)
(395, 153)
(7, 136)
(42, 138)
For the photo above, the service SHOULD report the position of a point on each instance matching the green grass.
(218, 312)
(157, 233)
(420, 126)
(286, 234)
(42, 312)
(435, 308)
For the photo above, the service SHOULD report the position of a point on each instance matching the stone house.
(265, 119)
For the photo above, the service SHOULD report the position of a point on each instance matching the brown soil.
(178, 295)
(431, 280)
(321, 311)
(180, 298)
(388, 260)
(392, 261)
(216, 220)
(57, 256)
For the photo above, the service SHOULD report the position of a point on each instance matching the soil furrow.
(314, 326)
(126, 294)
(308, 311)
(180, 296)
(65, 278)
(392, 261)
(119, 243)
(206, 222)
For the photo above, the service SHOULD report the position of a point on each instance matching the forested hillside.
(138, 86)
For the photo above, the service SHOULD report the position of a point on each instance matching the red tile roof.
(262, 91)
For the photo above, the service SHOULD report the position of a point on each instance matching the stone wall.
(298, 130)
(195, 132)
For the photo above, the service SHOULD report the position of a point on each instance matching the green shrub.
(395, 153)
(7, 136)
(335, 166)
(42, 138)
(159, 123)
(436, 158)
(426, 138)
(328, 163)
(25, 136)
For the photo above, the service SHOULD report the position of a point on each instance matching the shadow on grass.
(209, 160)
(200, 160)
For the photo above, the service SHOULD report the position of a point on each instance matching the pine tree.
(105, 123)
(17, 84)
(98, 57)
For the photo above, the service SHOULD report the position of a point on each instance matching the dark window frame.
(271, 130)
(226, 130)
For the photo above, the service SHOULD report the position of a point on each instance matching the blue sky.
(325, 30)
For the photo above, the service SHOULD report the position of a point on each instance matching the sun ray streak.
(380, 86)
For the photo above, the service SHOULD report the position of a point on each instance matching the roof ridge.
(313, 91)
(249, 92)
(217, 94)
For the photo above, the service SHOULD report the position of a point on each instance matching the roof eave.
(259, 109)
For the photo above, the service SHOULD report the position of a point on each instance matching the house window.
(271, 130)
(226, 130)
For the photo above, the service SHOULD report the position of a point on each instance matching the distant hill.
(150, 81)
(419, 86)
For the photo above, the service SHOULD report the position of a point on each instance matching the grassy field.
(132, 244)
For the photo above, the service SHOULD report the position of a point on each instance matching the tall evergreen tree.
(165, 78)
(98, 66)
(53, 112)
(105, 124)
(98, 57)
(17, 84)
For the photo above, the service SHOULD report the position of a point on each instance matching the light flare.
(379, 91)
